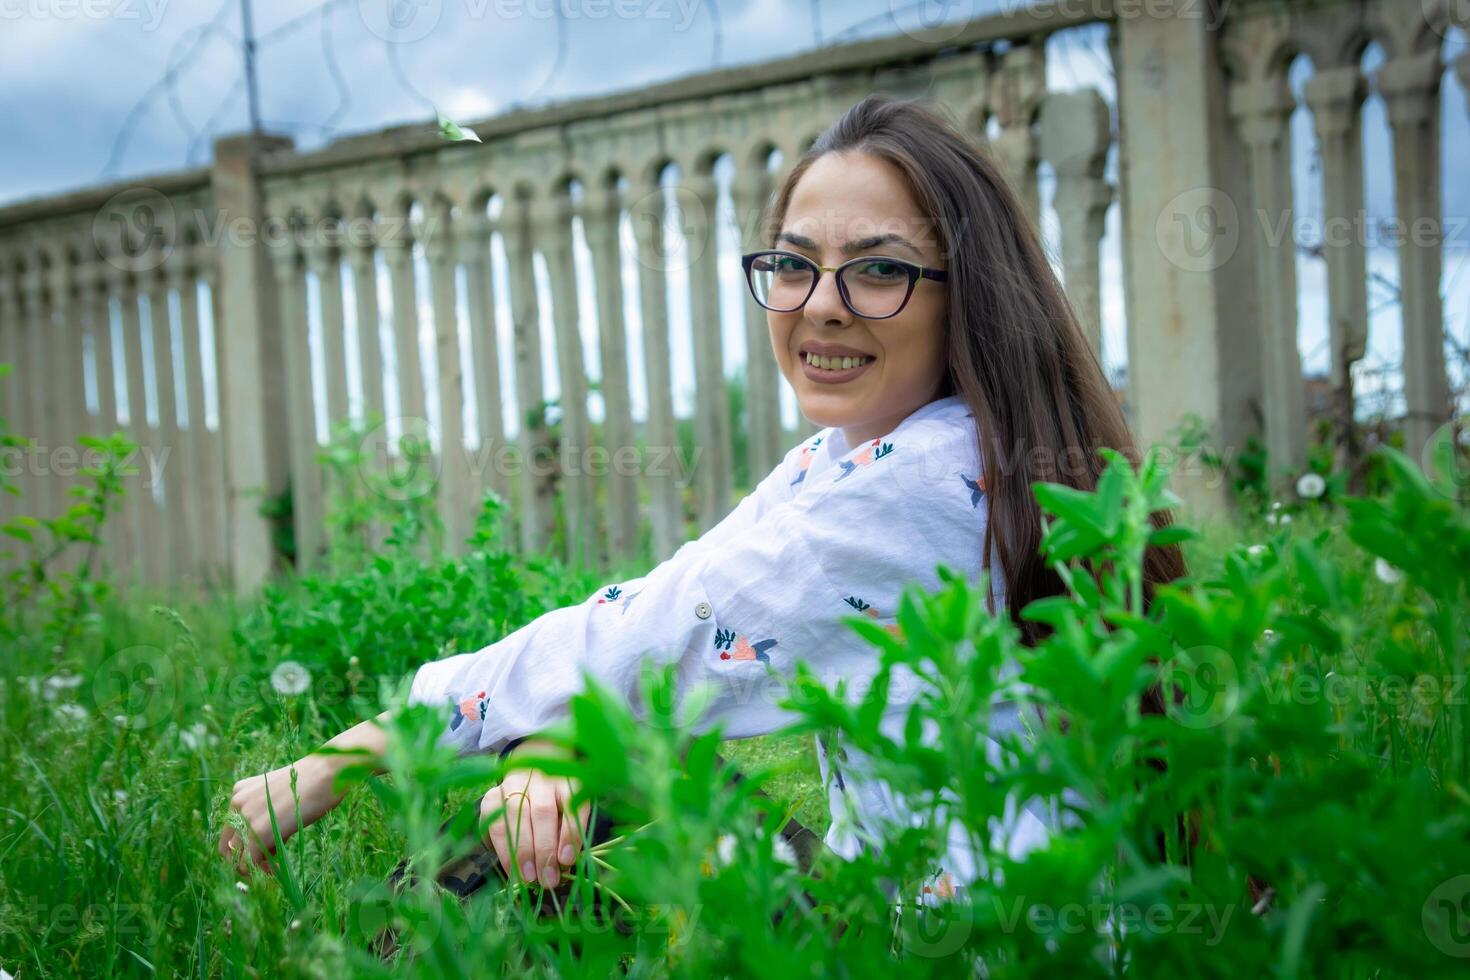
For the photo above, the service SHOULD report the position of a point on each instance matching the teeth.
(836, 363)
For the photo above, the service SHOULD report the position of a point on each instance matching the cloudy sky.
(108, 89)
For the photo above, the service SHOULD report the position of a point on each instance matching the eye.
(786, 265)
(880, 272)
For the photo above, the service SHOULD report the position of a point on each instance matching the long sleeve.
(765, 588)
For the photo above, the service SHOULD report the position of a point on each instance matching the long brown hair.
(1016, 355)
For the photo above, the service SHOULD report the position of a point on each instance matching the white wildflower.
(197, 736)
(56, 684)
(785, 853)
(242, 886)
(725, 849)
(71, 714)
(1256, 550)
(1310, 486)
(120, 796)
(290, 678)
(1388, 574)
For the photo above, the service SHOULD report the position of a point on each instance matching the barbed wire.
(164, 84)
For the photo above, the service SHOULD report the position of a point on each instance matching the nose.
(825, 307)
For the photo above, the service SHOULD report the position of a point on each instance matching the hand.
(536, 833)
(314, 777)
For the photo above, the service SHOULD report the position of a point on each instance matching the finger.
(573, 831)
(519, 817)
(490, 808)
(545, 829)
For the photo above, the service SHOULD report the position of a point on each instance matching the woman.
(913, 312)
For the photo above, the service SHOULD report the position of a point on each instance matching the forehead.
(846, 196)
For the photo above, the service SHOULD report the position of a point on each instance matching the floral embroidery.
(736, 646)
(613, 594)
(976, 487)
(808, 453)
(475, 706)
(944, 887)
(875, 450)
(867, 609)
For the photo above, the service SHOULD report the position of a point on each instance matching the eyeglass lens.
(874, 287)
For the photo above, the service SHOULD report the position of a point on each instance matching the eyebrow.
(854, 246)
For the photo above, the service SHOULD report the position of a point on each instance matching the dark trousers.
(467, 874)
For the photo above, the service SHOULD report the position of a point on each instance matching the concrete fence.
(118, 304)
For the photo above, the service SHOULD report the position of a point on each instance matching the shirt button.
(703, 610)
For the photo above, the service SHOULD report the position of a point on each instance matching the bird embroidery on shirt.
(807, 454)
(733, 646)
(475, 706)
(612, 594)
(977, 488)
(867, 609)
(874, 451)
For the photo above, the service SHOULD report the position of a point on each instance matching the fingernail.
(567, 854)
(528, 871)
(550, 877)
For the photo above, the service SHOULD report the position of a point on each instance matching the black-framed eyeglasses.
(874, 287)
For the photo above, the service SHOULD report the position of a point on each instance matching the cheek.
(781, 326)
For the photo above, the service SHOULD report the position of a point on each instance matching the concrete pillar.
(306, 484)
(1410, 89)
(473, 236)
(666, 509)
(714, 476)
(1262, 111)
(67, 314)
(36, 376)
(765, 440)
(601, 215)
(535, 484)
(252, 389)
(139, 486)
(1335, 96)
(363, 258)
(579, 487)
(173, 532)
(456, 510)
(398, 251)
(1017, 88)
(92, 286)
(324, 260)
(1192, 336)
(212, 441)
(1076, 131)
(198, 510)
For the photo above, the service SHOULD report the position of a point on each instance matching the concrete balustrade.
(395, 227)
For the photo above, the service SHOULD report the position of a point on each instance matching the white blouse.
(833, 531)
